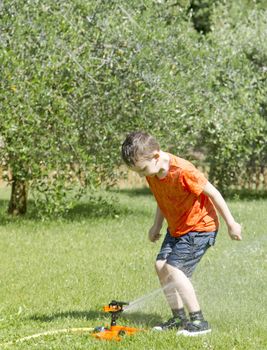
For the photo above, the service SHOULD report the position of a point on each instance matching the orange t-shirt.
(181, 201)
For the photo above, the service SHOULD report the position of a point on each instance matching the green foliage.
(237, 124)
(41, 140)
(77, 76)
(62, 76)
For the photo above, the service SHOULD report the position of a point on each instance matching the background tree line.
(76, 76)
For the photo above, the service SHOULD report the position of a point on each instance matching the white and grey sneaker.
(172, 323)
(195, 328)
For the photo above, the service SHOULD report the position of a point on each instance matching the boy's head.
(137, 146)
(140, 152)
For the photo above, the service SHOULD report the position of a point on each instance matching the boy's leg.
(180, 265)
(172, 296)
(177, 287)
(180, 256)
(177, 280)
(183, 285)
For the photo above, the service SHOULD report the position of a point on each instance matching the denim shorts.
(186, 251)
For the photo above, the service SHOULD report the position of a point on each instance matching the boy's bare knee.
(159, 265)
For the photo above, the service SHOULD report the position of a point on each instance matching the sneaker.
(195, 328)
(172, 323)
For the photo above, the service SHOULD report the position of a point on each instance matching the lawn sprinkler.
(114, 332)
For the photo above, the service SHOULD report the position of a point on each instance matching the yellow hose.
(57, 331)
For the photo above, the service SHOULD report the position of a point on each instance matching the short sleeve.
(193, 180)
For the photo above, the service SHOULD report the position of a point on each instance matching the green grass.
(59, 274)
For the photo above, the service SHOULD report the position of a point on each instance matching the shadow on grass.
(246, 194)
(4, 217)
(133, 192)
(85, 315)
(136, 317)
(142, 318)
(82, 210)
(92, 210)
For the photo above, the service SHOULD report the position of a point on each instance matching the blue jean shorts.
(186, 251)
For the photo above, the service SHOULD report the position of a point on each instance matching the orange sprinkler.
(114, 332)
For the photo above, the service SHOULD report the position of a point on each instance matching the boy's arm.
(234, 229)
(154, 232)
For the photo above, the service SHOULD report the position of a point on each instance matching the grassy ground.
(59, 274)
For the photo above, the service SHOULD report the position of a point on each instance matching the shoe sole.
(158, 329)
(186, 333)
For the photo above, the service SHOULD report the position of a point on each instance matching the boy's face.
(147, 167)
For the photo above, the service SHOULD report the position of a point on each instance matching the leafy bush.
(62, 76)
(79, 75)
(237, 125)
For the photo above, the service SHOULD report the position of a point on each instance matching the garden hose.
(57, 331)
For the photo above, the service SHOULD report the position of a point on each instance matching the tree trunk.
(18, 199)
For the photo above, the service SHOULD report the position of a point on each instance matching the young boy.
(187, 201)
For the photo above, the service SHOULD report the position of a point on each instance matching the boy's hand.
(234, 231)
(154, 234)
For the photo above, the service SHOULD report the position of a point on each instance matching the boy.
(187, 201)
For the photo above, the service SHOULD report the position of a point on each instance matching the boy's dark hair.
(138, 145)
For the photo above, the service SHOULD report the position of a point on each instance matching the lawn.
(58, 274)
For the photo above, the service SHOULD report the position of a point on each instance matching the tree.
(77, 76)
(72, 83)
